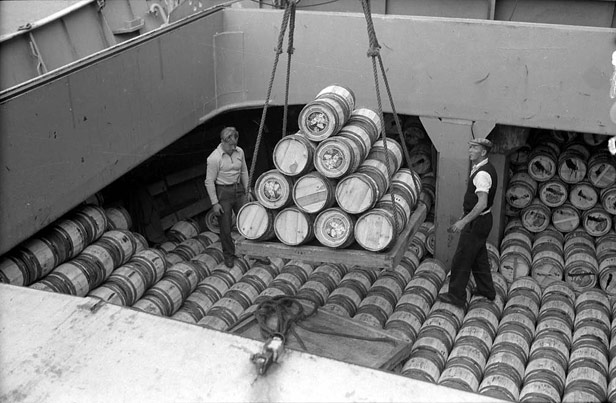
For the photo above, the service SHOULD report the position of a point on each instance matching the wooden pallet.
(352, 256)
(377, 349)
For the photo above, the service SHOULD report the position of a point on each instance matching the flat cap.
(481, 142)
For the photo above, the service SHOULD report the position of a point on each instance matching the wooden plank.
(352, 256)
(333, 336)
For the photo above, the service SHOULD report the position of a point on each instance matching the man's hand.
(217, 208)
(249, 197)
(457, 226)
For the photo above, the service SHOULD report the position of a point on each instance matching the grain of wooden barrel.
(313, 192)
(293, 154)
(255, 222)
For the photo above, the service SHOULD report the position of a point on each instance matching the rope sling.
(287, 310)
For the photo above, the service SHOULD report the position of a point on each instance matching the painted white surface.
(58, 348)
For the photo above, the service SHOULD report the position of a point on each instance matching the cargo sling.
(288, 21)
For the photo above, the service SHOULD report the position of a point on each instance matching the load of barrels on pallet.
(561, 210)
(336, 181)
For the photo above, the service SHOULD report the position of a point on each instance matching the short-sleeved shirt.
(483, 180)
(225, 169)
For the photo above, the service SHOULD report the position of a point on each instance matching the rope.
(374, 53)
(290, 7)
(290, 53)
(288, 312)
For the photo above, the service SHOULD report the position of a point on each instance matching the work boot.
(230, 261)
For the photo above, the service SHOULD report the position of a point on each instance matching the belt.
(228, 186)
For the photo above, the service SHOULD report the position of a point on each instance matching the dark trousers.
(472, 255)
(231, 198)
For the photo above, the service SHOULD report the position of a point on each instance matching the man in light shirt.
(226, 183)
(474, 227)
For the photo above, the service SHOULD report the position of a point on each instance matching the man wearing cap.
(226, 183)
(474, 228)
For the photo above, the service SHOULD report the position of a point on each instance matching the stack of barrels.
(561, 204)
(505, 368)
(335, 181)
(473, 343)
(415, 303)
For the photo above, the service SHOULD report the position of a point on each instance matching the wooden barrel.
(602, 169)
(566, 217)
(521, 190)
(542, 162)
(548, 263)
(74, 237)
(364, 126)
(94, 218)
(407, 183)
(273, 189)
(293, 155)
(377, 229)
(293, 226)
(430, 229)
(256, 222)
(608, 200)
(553, 193)
(313, 192)
(581, 270)
(536, 216)
(213, 225)
(152, 263)
(118, 218)
(122, 242)
(109, 293)
(428, 186)
(519, 158)
(327, 114)
(421, 368)
(357, 193)
(375, 164)
(515, 260)
(141, 243)
(420, 158)
(572, 163)
(183, 230)
(334, 228)
(189, 248)
(596, 221)
(102, 256)
(131, 280)
(338, 156)
(345, 299)
(583, 195)
(578, 240)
